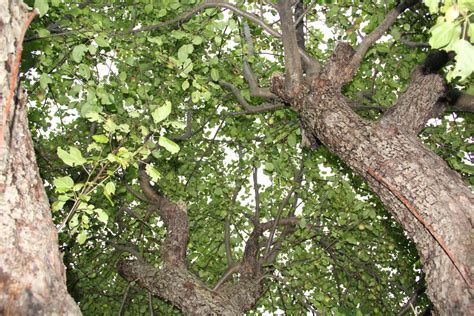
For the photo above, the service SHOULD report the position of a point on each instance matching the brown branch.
(257, 195)
(374, 36)
(417, 104)
(249, 109)
(297, 181)
(227, 274)
(211, 4)
(293, 67)
(413, 44)
(188, 132)
(255, 89)
(175, 218)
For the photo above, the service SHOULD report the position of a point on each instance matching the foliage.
(104, 99)
(453, 32)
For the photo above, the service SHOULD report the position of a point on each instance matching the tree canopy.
(131, 99)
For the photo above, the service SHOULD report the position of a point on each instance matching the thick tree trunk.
(403, 173)
(32, 278)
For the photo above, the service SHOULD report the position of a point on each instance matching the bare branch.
(211, 4)
(249, 109)
(227, 274)
(302, 14)
(293, 67)
(257, 195)
(188, 132)
(375, 35)
(417, 104)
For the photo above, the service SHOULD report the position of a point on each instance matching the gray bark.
(32, 278)
(390, 148)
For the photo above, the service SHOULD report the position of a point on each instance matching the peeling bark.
(32, 275)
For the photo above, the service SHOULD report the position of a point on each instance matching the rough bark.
(390, 147)
(32, 278)
(180, 287)
(173, 281)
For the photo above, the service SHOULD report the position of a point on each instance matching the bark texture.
(32, 278)
(391, 148)
(173, 281)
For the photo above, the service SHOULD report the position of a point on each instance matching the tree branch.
(293, 67)
(417, 104)
(374, 36)
(249, 109)
(211, 4)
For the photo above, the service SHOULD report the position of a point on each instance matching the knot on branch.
(339, 69)
(293, 95)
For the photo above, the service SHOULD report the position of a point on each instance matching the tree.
(232, 213)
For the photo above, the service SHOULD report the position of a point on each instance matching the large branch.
(293, 67)
(175, 218)
(417, 104)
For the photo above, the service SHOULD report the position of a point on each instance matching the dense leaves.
(106, 98)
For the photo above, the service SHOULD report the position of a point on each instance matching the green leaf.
(71, 158)
(162, 112)
(100, 138)
(444, 33)
(102, 215)
(84, 71)
(214, 74)
(152, 172)
(42, 6)
(45, 80)
(185, 85)
(74, 221)
(168, 144)
(101, 41)
(82, 237)
(78, 52)
(110, 188)
(63, 184)
(432, 5)
(197, 40)
(292, 140)
(269, 167)
(464, 60)
(184, 51)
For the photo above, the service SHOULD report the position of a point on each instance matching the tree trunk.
(403, 173)
(32, 278)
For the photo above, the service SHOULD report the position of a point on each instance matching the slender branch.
(257, 195)
(249, 76)
(124, 300)
(211, 4)
(302, 15)
(297, 181)
(375, 35)
(188, 132)
(227, 274)
(414, 44)
(249, 109)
